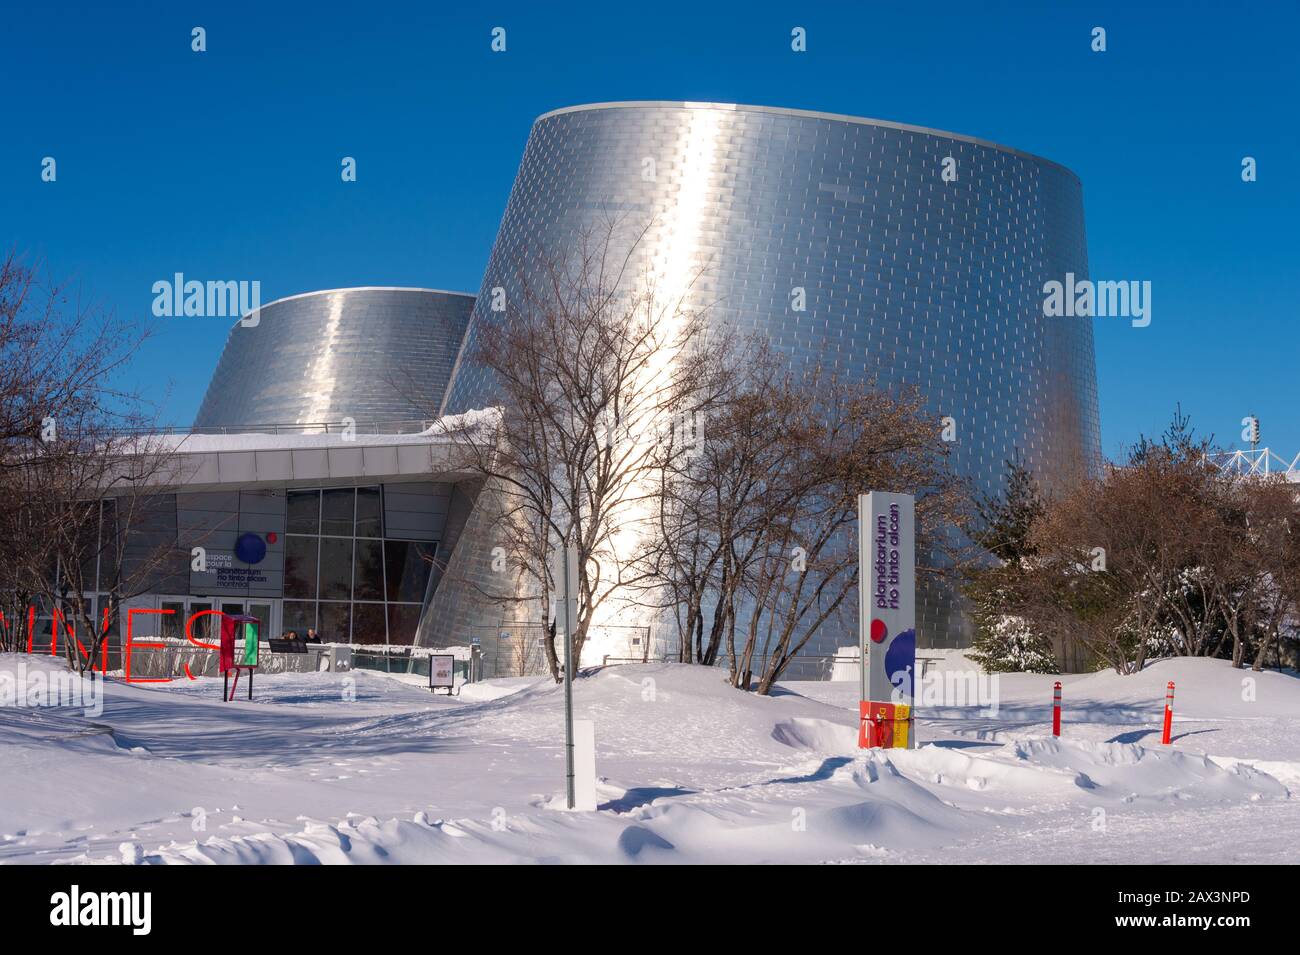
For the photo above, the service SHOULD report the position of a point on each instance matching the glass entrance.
(172, 624)
(262, 611)
(207, 629)
(266, 611)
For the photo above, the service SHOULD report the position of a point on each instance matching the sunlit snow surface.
(370, 768)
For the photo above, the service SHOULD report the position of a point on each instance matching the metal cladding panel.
(274, 465)
(239, 466)
(908, 279)
(374, 355)
(311, 464)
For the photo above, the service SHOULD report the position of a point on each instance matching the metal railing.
(400, 426)
(407, 662)
(1260, 462)
(813, 666)
(802, 667)
(518, 649)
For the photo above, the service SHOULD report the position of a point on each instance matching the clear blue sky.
(226, 164)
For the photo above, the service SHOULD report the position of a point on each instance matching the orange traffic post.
(1169, 713)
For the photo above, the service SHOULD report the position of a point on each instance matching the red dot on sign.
(270, 538)
(878, 631)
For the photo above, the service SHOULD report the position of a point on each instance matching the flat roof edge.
(806, 114)
(360, 288)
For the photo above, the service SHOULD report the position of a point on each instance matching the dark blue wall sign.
(250, 548)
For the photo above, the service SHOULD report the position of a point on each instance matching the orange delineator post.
(1056, 709)
(1169, 713)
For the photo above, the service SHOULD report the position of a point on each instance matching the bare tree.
(594, 360)
(58, 357)
(1164, 555)
(1085, 584)
(97, 496)
(66, 448)
(1118, 566)
(758, 551)
(717, 501)
(1265, 564)
(850, 438)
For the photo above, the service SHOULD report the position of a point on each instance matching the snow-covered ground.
(370, 768)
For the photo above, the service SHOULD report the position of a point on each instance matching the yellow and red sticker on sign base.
(884, 725)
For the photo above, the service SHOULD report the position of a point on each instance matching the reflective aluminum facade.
(376, 355)
(907, 277)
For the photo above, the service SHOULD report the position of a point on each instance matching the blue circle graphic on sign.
(250, 548)
(900, 662)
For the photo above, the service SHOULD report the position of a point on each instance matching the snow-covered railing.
(175, 658)
(403, 426)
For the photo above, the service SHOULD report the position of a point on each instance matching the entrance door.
(206, 629)
(266, 611)
(262, 610)
(172, 625)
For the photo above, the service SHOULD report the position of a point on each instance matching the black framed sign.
(442, 671)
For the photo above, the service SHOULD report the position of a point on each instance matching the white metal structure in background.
(1259, 462)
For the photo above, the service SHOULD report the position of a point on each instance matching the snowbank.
(362, 767)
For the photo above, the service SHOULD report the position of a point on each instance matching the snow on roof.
(443, 428)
